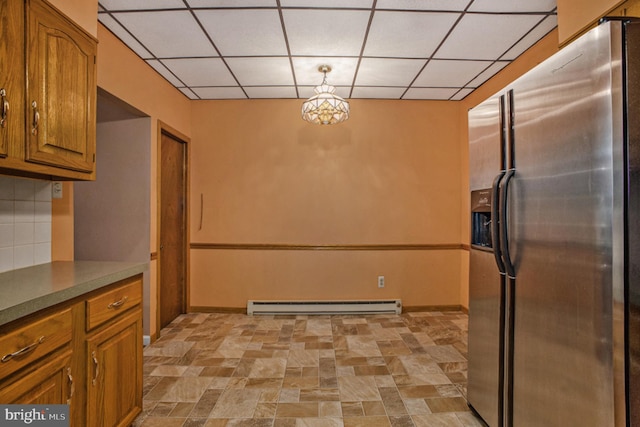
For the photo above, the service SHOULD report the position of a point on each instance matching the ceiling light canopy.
(325, 108)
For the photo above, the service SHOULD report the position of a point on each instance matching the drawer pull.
(117, 304)
(71, 385)
(22, 351)
(36, 118)
(4, 107)
(96, 368)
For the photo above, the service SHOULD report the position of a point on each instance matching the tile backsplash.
(25, 222)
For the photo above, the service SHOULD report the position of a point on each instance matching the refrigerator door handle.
(495, 225)
(502, 219)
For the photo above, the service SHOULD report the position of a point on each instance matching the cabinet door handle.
(36, 118)
(22, 351)
(4, 107)
(71, 386)
(117, 304)
(96, 368)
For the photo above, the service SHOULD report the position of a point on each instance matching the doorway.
(172, 236)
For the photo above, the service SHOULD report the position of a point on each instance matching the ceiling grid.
(377, 49)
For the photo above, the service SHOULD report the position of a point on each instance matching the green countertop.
(28, 290)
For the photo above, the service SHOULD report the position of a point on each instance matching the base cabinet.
(86, 352)
(48, 382)
(114, 396)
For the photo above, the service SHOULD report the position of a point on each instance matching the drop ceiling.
(381, 49)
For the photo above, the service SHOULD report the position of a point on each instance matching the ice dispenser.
(481, 219)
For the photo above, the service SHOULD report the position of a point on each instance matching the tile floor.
(228, 370)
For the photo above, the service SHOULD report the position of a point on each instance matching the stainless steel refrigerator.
(554, 292)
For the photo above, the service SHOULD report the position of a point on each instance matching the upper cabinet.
(12, 75)
(50, 130)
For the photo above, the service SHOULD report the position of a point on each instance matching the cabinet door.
(61, 90)
(49, 382)
(114, 373)
(12, 75)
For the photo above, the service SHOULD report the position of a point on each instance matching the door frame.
(164, 128)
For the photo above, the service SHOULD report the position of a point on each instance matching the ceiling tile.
(342, 70)
(407, 34)
(325, 32)
(449, 73)
(488, 73)
(430, 93)
(219, 92)
(262, 71)
(271, 92)
(388, 72)
(378, 92)
(328, 3)
(100, 8)
(462, 94)
(244, 32)
(499, 33)
(457, 5)
(157, 32)
(164, 72)
(512, 6)
(232, 3)
(201, 71)
(530, 39)
(142, 4)
(188, 93)
(123, 35)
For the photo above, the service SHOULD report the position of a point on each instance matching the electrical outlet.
(381, 281)
(56, 190)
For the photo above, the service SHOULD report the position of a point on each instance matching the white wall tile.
(24, 211)
(6, 212)
(23, 256)
(25, 222)
(41, 253)
(6, 259)
(6, 235)
(6, 188)
(43, 191)
(24, 233)
(25, 189)
(42, 212)
(42, 232)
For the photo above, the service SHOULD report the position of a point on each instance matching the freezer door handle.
(495, 225)
(502, 219)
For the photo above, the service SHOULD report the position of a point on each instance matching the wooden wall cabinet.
(86, 353)
(50, 125)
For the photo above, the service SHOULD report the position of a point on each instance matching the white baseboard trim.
(146, 340)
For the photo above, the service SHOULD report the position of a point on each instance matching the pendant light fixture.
(325, 108)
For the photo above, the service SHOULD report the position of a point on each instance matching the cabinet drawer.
(22, 346)
(110, 304)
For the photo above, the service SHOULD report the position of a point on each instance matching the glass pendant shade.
(325, 108)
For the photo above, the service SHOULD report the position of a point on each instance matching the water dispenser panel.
(481, 219)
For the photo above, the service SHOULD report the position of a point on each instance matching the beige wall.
(388, 176)
(576, 16)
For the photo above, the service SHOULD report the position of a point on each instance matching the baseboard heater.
(392, 306)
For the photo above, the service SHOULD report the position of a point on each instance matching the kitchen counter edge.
(28, 290)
